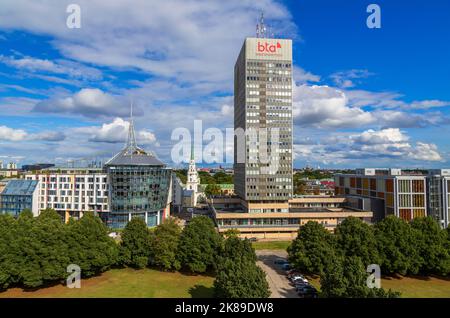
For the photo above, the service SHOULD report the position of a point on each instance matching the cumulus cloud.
(11, 134)
(90, 102)
(326, 107)
(150, 35)
(115, 132)
(385, 144)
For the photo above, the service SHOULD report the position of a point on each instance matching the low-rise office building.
(405, 194)
(275, 223)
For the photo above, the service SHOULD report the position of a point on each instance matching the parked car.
(280, 261)
(286, 266)
(253, 239)
(307, 291)
(299, 285)
(297, 279)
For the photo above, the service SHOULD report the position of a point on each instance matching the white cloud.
(186, 39)
(60, 67)
(425, 151)
(390, 145)
(347, 79)
(384, 136)
(227, 110)
(425, 104)
(326, 107)
(90, 102)
(301, 76)
(115, 132)
(10, 134)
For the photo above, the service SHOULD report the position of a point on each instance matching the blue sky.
(363, 97)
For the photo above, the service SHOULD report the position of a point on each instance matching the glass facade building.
(137, 191)
(139, 186)
(17, 196)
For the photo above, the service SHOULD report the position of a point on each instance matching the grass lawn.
(128, 282)
(410, 287)
(271, 245)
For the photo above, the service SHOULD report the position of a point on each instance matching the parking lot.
(279, 284)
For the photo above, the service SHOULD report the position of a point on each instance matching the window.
(417, 186)
(418, 200)
(389, 185)
(404, 200)
(389, 199)
(418, 213)
(405, 214)
(404, 186)
(373, 184)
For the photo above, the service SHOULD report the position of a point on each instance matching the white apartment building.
(72, 191)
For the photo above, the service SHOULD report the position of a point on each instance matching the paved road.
(278, 283)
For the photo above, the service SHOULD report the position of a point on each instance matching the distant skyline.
(363, 97)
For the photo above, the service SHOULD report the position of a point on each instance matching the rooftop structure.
(132, 155)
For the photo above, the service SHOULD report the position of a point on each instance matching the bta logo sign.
(265, 47)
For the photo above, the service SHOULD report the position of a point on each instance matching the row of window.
(267, 64)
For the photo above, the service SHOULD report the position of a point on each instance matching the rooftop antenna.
(261, 30)
(131, 141)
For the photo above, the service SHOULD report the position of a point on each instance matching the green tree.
(135, 247)
(206, 178)
(199, 245)
(231, 232)
(356, 238)
(345, 276)
(299, 184)
(182, 175)
(238, 275)
(223, 178)
(431, 244)
(43, 249)
(90, 247)
(164, 245)
(212, 189)
(237, 249)
(396, 246)
(240, 279)
(8, 245)
(312, 248)
(26, 213)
